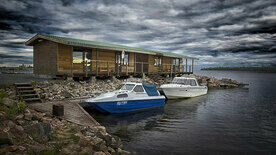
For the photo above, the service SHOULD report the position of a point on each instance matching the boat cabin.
(185, 81)
(62, 56)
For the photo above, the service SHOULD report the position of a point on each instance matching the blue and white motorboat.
(131, 97)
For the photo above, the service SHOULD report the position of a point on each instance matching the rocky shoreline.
(26, 131)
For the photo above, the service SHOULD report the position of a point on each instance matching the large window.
(176, 62)
(157, 61)
(122, 61)
(77, 57)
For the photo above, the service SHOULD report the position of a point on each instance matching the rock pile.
(212, 82)
(61, 89)
(32, 132)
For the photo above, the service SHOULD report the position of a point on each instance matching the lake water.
(240, 120)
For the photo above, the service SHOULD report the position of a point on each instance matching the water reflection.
(161, 119)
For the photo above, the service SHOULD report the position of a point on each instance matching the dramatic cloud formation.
(218, 32)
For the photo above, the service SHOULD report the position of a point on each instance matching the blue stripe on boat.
(127, 106)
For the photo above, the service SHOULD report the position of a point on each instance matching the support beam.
(97, 53)
(192, 65)
(71, 59)
(186, 65)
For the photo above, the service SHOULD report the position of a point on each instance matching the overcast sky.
(218, 32)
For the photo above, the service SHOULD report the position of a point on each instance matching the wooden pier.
(73, 112)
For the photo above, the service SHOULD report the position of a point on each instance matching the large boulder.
(39, 131)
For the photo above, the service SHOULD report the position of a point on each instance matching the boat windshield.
(191, 82)
(127, 87)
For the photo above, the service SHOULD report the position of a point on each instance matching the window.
(138, 89)
(125, 59)
(77, 57)
(122, 95)
(176, 62)
(127, 87)
(157, 61)
(122, 61)
(192, 82)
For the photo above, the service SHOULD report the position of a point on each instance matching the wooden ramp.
(73, 112)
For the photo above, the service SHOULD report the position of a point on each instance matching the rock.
(18, 128)
(99, 153)
(28, 116)
(86, 150)
(20, 122)
(83, 142)
(2, 114)
(6, 129)
(39, 130)
(11, 124)
(111, 150)
(20, 116)
(8, 102)
(66, 94)
(5, 138)
(122, 152)
(98, 143)
(13, 148)
(21, 148)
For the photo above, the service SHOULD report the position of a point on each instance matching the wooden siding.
(45, 58)
(64, 58)
(166, 64)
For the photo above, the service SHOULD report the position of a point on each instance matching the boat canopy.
(150, 89)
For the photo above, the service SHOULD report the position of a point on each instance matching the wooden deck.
(73, 112)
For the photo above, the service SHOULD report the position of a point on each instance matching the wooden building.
(60, 56)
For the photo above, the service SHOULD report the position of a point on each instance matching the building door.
(142, 59)
(118, 66)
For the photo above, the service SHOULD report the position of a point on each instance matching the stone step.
(28, 95)
(26, 91)
(25, 87)
(31, 99)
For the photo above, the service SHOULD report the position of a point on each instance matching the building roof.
(101, 45)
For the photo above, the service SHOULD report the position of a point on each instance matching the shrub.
(21, 106)
(3, 94)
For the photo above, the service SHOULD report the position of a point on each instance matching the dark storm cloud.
(219, 32)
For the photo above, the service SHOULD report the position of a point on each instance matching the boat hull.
(126, 106)
(177, 93)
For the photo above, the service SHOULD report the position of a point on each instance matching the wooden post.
(190, 68)
(118, 69)
(85, 68)
(171, 69)
(107, 68)
(58, 110)
(127, 69)
(97, 67)
(134, 62)
(142, 67)
(71, 65)
(83, 61)
(97, 62)
(192, 65)
(186, 65)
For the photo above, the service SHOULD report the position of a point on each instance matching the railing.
(111, 67)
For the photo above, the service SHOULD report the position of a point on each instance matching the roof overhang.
(36, 38)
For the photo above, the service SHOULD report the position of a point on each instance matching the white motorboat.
(183, 87)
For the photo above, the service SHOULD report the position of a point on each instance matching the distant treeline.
(20, 67)
(259, 69)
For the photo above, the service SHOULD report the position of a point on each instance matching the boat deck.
(73, 112)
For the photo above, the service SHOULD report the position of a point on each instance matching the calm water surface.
(241, 120)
